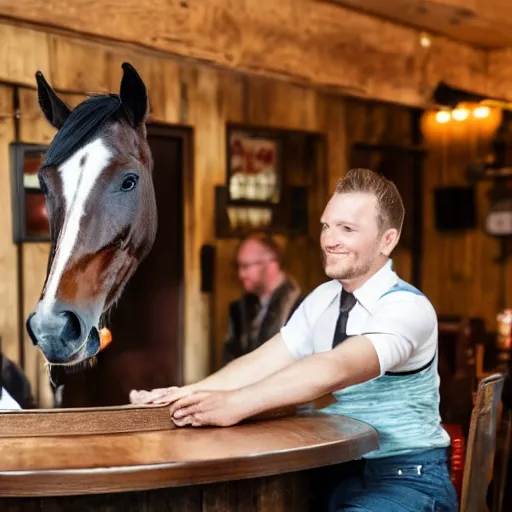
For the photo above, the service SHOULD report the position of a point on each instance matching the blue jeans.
(417, 482)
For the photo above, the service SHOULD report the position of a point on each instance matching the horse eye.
(129, 182)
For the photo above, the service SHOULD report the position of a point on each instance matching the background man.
(270, 297)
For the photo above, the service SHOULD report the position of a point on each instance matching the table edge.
(102, 480)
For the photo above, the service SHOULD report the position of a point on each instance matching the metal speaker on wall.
(299, 209)
(207, 268)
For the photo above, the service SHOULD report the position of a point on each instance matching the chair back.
(481, 444)
(501, 464)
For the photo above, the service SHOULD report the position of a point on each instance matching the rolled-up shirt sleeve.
(400, 327)
(296, 333)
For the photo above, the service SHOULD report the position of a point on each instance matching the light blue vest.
(402, 407)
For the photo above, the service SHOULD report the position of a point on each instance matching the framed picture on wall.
(254, 165)
(29, 216)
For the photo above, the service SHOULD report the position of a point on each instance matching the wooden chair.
(458, 338)
(481, 444)
(502, 463)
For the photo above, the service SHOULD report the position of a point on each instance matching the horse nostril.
(71, 329)
(30, 331)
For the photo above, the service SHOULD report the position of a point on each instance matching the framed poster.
(30, 218)
(254, 166)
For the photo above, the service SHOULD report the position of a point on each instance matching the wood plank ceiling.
(482, 23)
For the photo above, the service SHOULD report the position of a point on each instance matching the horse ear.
(134, 95)
(55, 110)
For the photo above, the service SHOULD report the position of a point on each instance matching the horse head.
(97, 181)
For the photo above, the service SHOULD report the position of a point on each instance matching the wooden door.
(403, 168)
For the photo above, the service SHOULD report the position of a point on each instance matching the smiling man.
(365, 335)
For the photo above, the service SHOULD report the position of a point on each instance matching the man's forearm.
(312, 377)
(248, 369)
(299, 383)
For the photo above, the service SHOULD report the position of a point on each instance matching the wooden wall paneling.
(317, 202)
(465, 147)
(205, 113)
(34, 129)
(431, 176)
(164, 91)
(296, 173)
(22, 52)
(339, 131)
(161, 76)
(78, 65)
(357, 121)
(9, 328)
(71, 72)
(233, 90)
(460, 274)
(34, 263)
(278, 104)
(454, 301)
(227, 288)
(376, 122)
(485, 283)
(305, 112)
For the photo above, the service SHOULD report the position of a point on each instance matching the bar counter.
(255, 466)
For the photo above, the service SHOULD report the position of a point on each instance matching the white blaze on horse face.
(78, 175)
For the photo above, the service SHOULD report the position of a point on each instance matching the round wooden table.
(255, 466)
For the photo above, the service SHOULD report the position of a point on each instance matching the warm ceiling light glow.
(481, 112)
(460, 114)
(443, 116)
(425, 40)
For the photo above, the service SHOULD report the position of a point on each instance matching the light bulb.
(481, 112)
(460, 114)
(425, 41)
(443, 116)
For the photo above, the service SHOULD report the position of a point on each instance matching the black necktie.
(347, 302)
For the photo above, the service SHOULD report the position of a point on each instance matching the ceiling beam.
(486, 24)
(306, 41)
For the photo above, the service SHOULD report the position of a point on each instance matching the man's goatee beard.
(349, 273)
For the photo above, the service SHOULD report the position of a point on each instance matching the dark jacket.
(283, 302)
(16, 383)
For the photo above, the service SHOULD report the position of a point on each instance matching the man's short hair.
(268, 243)
(390, 206)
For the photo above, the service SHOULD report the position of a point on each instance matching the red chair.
(458, 456)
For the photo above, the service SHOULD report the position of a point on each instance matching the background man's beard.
(256, 288)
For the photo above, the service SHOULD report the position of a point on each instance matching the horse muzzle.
(63, 336)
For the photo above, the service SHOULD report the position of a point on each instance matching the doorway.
(403, 166)
(146, 324)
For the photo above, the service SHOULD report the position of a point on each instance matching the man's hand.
(268, 358)
(216, 408)
(159, 396)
